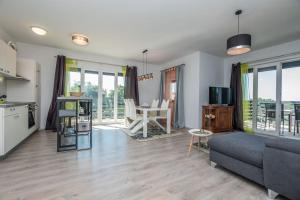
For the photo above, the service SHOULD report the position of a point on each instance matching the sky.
(267, 84)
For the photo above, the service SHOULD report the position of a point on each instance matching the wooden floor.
(118, 168)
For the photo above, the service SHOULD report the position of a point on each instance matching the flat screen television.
(219, 95)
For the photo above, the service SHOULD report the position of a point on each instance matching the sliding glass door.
(120, 97)
(107, 91)
(276, 98)
(290, 96)
(91, 85)
(266, 99)
(108, 97)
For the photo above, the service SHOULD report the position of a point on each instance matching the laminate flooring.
(118, 167)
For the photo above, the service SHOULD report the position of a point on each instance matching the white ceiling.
(168, 28)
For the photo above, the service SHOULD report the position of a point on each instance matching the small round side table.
(201, 134)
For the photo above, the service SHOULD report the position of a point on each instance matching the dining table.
(146, 118)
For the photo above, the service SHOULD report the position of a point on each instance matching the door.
(106, 90)
(91, 89)
(266, 99)
(108, 97)
(170, 91)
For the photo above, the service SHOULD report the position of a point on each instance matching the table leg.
(169, 121)
(191, 144)
(145, 124)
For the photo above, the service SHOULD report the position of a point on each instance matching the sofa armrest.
(290, 145)
(281, 167)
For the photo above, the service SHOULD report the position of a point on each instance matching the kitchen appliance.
(31, 115)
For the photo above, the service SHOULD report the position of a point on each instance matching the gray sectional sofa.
(271, 162)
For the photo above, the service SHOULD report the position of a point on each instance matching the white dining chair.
(134, 117)
(162, 114)
(127, 112)
(154, 104)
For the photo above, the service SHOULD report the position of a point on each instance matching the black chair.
(270, 113)
(297, 117)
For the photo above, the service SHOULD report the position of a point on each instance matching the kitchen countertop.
(14, 104)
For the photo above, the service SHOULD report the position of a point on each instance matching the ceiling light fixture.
(38, 30)
(80, 39)
(145, 76)
(240, 43)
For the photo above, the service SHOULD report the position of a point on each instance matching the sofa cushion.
(242, 146)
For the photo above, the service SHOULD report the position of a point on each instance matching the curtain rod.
(172, 67)
(103, 63)
(272, 59)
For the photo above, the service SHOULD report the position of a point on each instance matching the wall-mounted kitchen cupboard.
(28, 90)
(8, 60)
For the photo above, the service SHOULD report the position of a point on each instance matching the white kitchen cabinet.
(8, 59)
(2, 57)
(14, 127)
(26, 91)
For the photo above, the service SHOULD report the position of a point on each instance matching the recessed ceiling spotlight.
(38, 30)
(80, 39)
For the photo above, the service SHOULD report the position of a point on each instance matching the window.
(276, 98)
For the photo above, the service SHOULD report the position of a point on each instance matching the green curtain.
(247, 102)
(71, 66)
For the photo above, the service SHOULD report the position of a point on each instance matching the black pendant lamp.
(240, 43)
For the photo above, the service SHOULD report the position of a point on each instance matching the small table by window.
(202, 138)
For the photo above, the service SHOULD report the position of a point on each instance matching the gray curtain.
(131, 89)
(179, 105)
(237, 96)
(58, 90)
(162, 86)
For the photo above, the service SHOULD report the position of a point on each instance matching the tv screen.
(219, 95)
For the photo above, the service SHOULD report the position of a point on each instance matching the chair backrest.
(270, 110)
(155, 103)
(297, 111)
(127, 108)
(132, 109)
(164, 104)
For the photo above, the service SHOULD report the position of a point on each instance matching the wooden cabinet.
(217, 118)
(8, 59)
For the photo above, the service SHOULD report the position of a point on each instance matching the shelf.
(80, 117)
(67, 113)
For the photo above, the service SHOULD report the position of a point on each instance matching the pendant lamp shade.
(239, 44)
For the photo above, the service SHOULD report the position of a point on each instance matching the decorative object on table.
(145, 105)
(2, 99)
(74, 119)
(145, 75)
(76, 94)
(203, 136)
(240, 43)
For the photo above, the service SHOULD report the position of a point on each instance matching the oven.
(31, 115)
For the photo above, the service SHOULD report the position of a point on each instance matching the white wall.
(277, 50)
(45, 57)
(201, 71)
(211, 74)
(190, 86)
